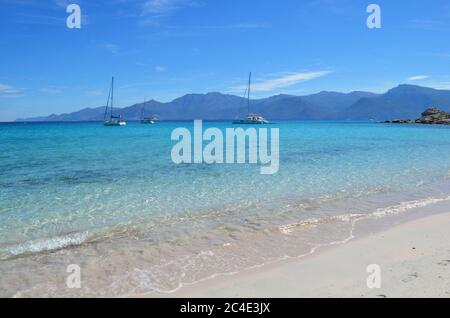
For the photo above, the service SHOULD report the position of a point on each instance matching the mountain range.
(404, 101)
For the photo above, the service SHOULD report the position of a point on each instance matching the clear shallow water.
(111, 200)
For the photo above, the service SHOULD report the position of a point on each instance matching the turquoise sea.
(111, 200)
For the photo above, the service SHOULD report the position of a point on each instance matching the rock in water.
(401, 121)
(432, 116)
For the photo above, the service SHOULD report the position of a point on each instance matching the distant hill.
(404, 101)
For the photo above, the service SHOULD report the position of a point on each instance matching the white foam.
(47, 244)
(406, 206)
(288, 229)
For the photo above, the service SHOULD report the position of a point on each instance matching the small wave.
(378, 213)
(288, 229)
(43, 245)
(405, 206)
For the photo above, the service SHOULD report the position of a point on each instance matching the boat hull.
(250, 122)
(115, 124)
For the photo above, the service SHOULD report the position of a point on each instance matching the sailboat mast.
(107, 105)
(249, 87)
(112, 96)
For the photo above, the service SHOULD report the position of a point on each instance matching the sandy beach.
(414, 259)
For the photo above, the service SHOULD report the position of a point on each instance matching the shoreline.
(132, 274)
(414, 258)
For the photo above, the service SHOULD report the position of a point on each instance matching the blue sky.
(163, 49)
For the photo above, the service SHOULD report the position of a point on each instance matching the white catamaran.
(110, 119)
(147, 120)
(252, 119)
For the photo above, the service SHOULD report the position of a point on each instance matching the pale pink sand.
(414, 260)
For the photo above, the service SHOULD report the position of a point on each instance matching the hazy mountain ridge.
(404, 101)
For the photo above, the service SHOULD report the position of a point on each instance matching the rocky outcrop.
(401, 121)
(432, 116)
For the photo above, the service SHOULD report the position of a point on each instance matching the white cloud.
(94, 92)
(112, 48)
(444, 86)
(152, 7)
(159, 6)
(51, 90)
(287, 79)
(62, 3)
(153, 11)
(160, 69)
(8, 89)
(418, 77)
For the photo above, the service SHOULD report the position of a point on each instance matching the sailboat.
(252, 119)
(109, 119)
(146, 120)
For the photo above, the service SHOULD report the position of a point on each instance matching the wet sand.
(414, 259)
